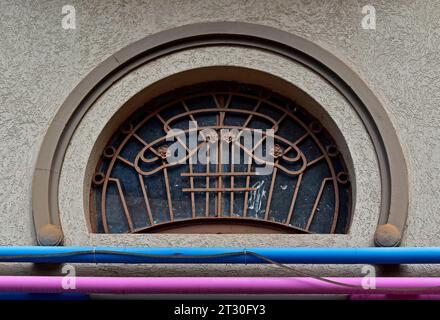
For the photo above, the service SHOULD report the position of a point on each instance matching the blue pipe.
(42, 296)
(401, 255)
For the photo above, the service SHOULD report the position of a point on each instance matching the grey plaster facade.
(41, 63)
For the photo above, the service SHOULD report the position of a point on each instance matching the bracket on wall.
(392, 165)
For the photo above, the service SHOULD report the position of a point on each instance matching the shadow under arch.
(393, 170)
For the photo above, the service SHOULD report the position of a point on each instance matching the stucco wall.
(40, 64)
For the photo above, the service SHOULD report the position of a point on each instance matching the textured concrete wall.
(40, 63)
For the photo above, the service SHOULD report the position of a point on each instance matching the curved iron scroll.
(137, 188)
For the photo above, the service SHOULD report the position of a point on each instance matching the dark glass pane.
(138, 188)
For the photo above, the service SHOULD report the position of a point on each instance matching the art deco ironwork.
(136, 190)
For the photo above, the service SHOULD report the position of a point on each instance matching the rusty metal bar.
(147, 202)
(167, 187)
(232, 169)
(207, 190)
(208, 163)
(269, 198)
(295, 195)
(124, 204)
(314, 161)
(315, 205)
(223, 174)
(191, 180)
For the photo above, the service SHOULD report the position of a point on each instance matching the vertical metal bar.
(207, 179)
(315, 205)
(232, 169)
(336, 211)
(295, 195)
(220, 182)
(191, 183)
(272, 184)
(246, 196)
(167, 186)
(248, 178)
(103, 208)
(166, 174)
(191, 179)
(220, 104)
(147, 202)
(220, 120)
(350, 216)
(124, 204)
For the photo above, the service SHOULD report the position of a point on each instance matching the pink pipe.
(211, 285)
(394, 297)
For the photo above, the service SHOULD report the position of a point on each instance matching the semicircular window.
(221, 157)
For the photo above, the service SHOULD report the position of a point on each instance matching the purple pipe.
(394, 297)
(212, 285)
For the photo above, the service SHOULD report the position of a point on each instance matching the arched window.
(218, 185)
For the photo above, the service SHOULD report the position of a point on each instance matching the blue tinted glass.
(137, 188)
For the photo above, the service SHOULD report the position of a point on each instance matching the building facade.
(90, 90)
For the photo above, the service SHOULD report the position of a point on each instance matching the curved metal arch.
(393, 170)
(287, 116)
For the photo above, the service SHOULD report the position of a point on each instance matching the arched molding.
(394, 180)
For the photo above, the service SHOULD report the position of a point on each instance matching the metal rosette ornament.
(221, 157)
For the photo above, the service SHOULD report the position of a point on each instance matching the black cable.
(207, 256)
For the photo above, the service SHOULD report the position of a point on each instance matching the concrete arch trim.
(392, 165)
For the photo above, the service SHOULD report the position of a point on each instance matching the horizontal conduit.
(219, 285)
(386, 288)
(221, 255)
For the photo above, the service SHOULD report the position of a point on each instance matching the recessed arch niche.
(305, 194)
(394, 198)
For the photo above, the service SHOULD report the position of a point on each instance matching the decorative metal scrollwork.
(137, 189)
